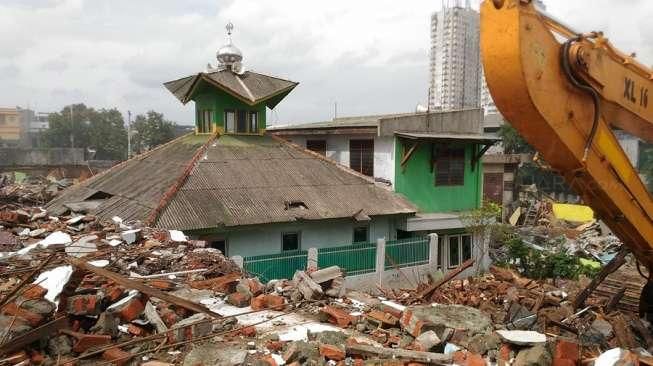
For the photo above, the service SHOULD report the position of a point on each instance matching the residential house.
(234, 186)
(432, 159)
(10, 127)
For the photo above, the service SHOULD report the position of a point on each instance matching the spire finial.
(230, 28)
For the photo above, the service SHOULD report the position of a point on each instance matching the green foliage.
(80, 126)
(540, 264)
(151, 130)
(512, 142)
(646, 164)
(478, 221)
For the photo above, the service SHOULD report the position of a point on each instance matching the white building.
(455, 65)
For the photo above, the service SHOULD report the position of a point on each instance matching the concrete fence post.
(433, 249)
(240, 261)
(380, 260)
(311, 260)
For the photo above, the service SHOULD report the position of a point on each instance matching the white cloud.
(369, 55)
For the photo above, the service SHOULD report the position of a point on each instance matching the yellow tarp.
(575, 213)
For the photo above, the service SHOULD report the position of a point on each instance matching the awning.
(483, 139)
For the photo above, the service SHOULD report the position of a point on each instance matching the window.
(204, 121)
(290, 241)
(253, 122)
(230, 121)
(461, 249)
(220, 245)
(361, 156)
(449, 166)
(454, 251)
(241, 121)
(318, 146)
(361, 234)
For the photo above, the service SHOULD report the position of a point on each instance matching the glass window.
(205, 121)
(230, 121)
(449, 166)
(361, 234)
(241, 122)
(361, 156)
(466, 247)
(454, 251)
(253, 122)
(290, 241)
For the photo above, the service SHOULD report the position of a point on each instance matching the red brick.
(275, 346)
(34, 292)
(135, 330)
(117, 356)
(169, 317)
(131, 309)
(249, 332)
(255, 286)
(563, 362)
(32, 318)
(85, 341)
(475, 360)
(337, 316)
(258, 303)
(84, 304)
(332, 352)
(273, 301)
(566, 350)
(382, 317)
(224, 284)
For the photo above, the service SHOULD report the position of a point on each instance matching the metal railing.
(406, 252)
(355, 259)
(276, 266)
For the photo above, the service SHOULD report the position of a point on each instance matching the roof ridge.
(272, 76)
(249, 92)
(174, 188)
(90, 180)
(325, 159)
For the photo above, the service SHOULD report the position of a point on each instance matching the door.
(493, 187)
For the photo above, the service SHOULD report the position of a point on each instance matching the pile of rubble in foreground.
(76, 291)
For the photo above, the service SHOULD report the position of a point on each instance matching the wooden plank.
(428, 358)
(448, 277)
(612, 266)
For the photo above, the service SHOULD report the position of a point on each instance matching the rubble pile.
(31, 191)
(75, 290)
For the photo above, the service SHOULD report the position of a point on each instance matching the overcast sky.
(371, 56)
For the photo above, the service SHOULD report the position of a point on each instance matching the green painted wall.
(208, 97)
(417, 182)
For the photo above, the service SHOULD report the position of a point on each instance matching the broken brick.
(32, 318)
(332, 352)
(129, 308)
(117, 356)
(248, 332)
(224, 284)
(34, 292)
(238, 299)
(84, 304)
(258, 303)
(337, 316)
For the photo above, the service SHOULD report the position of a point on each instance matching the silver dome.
(229, 54)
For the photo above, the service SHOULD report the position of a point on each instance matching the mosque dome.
(229, 54)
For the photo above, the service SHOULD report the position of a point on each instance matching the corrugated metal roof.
(137, 184)
(240, 180)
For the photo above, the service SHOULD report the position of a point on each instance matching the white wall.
(338, 150)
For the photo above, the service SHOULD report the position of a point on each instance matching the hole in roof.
(296, 205)
(99, 195)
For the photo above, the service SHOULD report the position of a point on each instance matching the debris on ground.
(76, 290)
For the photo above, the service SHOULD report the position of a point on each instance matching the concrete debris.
(76, 290)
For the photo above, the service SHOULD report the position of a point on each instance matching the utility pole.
(72, 126)
(129, 134)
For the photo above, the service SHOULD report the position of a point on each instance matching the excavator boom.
(563, 91)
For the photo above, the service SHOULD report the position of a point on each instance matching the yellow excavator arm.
(563, 91)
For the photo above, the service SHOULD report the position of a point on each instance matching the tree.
(483, 223)
(512, 141)
(83, 127)
(151, 130)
